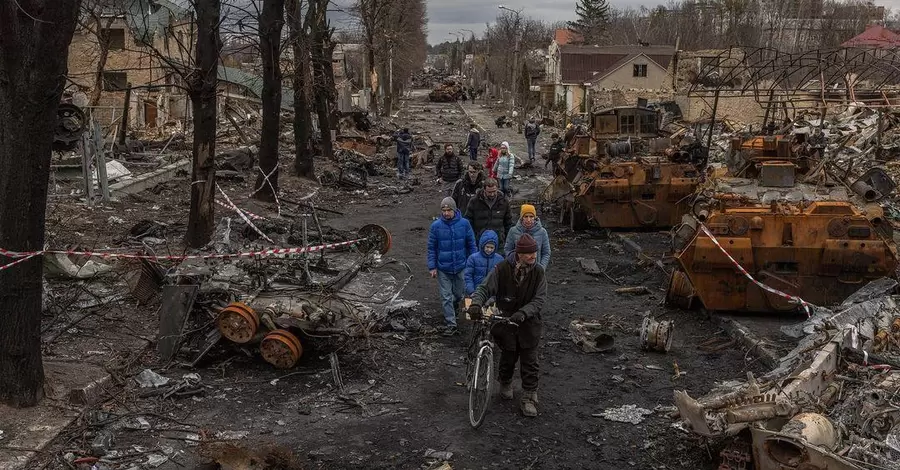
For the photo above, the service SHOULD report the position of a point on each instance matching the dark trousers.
(473, 153)
(528, 363)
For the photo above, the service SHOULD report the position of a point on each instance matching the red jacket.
(493, 155)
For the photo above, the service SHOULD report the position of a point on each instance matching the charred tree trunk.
(271, 21)
(33, 56)
(303, 155)
(202, 92)
(320, 38)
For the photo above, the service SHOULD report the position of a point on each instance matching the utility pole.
(391, 75)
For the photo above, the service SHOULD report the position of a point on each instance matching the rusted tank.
(647, 192)
(746, 156)
(817, 242)
(447, 92)
(619, 173)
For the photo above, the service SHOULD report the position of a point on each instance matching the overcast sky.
(445, 16)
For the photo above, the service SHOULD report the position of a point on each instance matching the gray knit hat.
(448, 203)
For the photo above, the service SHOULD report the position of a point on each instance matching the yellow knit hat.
(527, 209)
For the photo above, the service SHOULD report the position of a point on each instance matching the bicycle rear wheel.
(481, 385)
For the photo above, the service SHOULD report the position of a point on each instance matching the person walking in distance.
(473, 141)
(520, 288)
(467, 186)
(532, 131)
(530, 225)
(489, 210)
(404, 148)
(449, 169)
(450, 242)
(504, 168)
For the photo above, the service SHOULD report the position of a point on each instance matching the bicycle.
(480, 365)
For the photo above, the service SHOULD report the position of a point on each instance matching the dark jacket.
(474, 139)
(485, 216)
(450, 167)
(465, 190)
(527, 297)
(532, 130)
(450, 242)
(404, 142)
(479, 265)
(540, 236)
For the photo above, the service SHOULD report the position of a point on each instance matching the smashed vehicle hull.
(649, 193)
(821, 252)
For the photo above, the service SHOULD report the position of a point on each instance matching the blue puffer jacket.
(480, 264)
(505, 166)
(450, 242)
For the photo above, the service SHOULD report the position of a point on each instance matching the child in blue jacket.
(479, 264)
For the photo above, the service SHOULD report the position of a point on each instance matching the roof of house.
(253, 83)
(147, 18)
(580, 64)
(874, 36)
(567, 36)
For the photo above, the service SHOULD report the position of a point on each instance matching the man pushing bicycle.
(520, 289)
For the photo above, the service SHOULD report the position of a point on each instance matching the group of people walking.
(476, 252)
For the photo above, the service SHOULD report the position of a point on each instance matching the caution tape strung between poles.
(26, 255)
(793, 298)
(245, 211)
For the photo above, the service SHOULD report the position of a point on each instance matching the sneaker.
(529, 404)
(506, 391)
(450, 331)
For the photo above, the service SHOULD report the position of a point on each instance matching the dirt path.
(403, 393)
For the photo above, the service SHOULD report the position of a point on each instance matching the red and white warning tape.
(793, 298)
(25, 255)
(245, 211)
(243, 216)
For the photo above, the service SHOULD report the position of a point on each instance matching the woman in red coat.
(493, 155)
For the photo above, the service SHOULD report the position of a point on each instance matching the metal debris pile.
(831, 402)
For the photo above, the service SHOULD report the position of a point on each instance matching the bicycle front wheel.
(480, 388)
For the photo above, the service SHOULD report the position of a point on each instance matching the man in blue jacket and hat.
(450, 242)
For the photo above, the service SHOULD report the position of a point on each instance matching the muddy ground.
(403, 391)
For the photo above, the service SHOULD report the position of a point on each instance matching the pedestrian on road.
(480, 264)
(554, 156)
(489, 210)
(449, 169)
(450, 243)
(532, 131)
(473, 141)
(530, 225)
(404, 148)
(493, 155)
(520, 288)
(467, 186)
(504, 168)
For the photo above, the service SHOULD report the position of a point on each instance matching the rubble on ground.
(828, 404)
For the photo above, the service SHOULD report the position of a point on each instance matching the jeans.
(531, 145)
(447, 190)
(473, 153)
(504, 186)
(453, 290)
(403, 163)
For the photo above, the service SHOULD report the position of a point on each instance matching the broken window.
(115, 81)
(116, 37)
(648, 124)
(628, 126)
(640, 70)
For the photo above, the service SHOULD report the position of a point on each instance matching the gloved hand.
(474, 312)
(517, 318)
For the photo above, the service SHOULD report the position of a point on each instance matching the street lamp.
(515, 69)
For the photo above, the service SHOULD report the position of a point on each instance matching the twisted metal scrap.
(767, 72)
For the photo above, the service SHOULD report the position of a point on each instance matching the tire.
(481, 387)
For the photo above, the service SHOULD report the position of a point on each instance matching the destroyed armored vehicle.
(621, 174)
(757, 245)
(447, 92)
